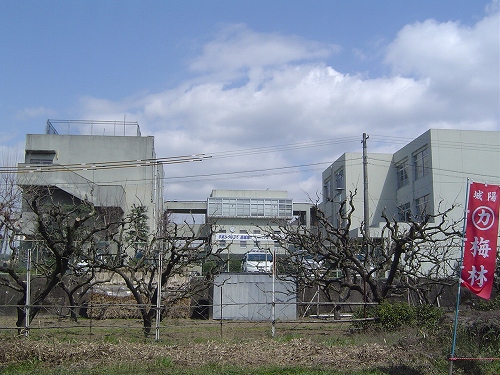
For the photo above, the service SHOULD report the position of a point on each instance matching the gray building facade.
(116, 169)
(428, 175)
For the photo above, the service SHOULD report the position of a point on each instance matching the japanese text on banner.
(481, 234)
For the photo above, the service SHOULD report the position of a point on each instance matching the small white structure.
(247, 296)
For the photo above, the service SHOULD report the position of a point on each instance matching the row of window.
(247, 207)
(421, 167)
(339, 184)
(40, 161)
(421, 209)
(420, 164)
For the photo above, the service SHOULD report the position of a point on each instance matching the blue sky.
(304, 79)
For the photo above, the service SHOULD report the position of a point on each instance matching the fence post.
(158, 298)
(273, 306)
(28, 294)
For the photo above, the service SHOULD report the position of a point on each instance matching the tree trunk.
(21, 314)
(147, 321)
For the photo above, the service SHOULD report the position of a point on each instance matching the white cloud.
(29, 113)
(237, 48)
(255, 89)
(461, 64)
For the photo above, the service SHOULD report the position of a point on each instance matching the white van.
(257, 260)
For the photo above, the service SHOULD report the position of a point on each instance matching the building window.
(404, 212)
(215, 207)
(257, 207)
(327, 190)
(402, 173)
(243, 207)
(271, 208)
(339, 179)
(285, 208)
(422, 207)
(421, 163)
(40, 161)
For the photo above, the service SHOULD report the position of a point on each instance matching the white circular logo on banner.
(483, 218)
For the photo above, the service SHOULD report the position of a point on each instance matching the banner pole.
(455, 323)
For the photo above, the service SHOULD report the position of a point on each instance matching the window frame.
(421, 163)
(402, 175)
(422, 206)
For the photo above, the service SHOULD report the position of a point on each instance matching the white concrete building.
(240, 215)
(427, 175)
(106, 162)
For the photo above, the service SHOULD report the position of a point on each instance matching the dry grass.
(58, 343)
(190, 346)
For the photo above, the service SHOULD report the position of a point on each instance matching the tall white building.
(427, 175)
(106, 162)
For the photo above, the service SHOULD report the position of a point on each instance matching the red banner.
(481, 234)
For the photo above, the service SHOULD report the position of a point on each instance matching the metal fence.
(92, 127)
(94, 318)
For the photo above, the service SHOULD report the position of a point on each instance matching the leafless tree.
(63, 232)
(163, 257)
(413, 255)
(10, 215)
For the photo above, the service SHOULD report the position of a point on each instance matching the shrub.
(394, 315)
(428, 316)
(391, 316)
(487, 305)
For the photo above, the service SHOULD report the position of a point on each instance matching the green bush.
(392, 316)
(428, 316)
(487, 305)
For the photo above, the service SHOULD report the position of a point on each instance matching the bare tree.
(10, 214)
(160, 262)
(411, 255)
(63, 232)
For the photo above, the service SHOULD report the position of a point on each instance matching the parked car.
(257, 260)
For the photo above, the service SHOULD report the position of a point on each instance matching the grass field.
(117, 346)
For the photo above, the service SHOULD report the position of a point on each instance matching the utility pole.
(366, 216)
(366, 209)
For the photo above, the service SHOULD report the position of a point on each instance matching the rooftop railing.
(93, 127)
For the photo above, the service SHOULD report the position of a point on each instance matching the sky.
(271, 91)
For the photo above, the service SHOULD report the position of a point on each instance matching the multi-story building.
(239, 217)
(426, 176)
(107, 163)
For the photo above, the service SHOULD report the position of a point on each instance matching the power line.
(236, 153)
(27, 168)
